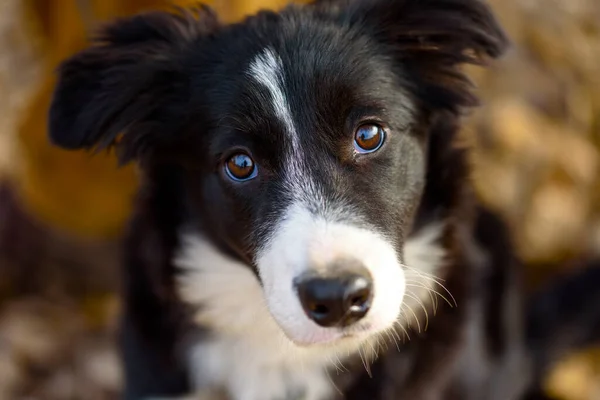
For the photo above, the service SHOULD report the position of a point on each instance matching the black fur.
(168, 91)
(153, 316)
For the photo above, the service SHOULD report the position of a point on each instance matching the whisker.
(365, 364)
(396, 336)
(337, 389)
(415, 315)
(375, 353)
(425, 274)
(432, 278)
(419, 302)
(335, 364)
(391, 338)
(391, 335)
(344, 369)
(382, 343)
(436, 292)
(431, 297)
(403, 328)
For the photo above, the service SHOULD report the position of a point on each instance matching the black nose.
(337, 299)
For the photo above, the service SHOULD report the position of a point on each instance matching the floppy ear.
(126, 82)
(431, 39)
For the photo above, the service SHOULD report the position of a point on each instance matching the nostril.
(358, 292)
(321, 299)
(359, 300)
(319, 309)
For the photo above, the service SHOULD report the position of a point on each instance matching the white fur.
(303, 242)
(267, 69)
(249, 354)
(424, 260)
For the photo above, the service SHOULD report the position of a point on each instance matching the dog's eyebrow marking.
(267, 69)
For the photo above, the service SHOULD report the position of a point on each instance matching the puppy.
(305, 226)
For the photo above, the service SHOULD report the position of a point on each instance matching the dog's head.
(303, 137)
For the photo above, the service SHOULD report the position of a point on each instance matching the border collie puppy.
(305, 226)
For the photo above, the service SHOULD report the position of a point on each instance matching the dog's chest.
(251, 369)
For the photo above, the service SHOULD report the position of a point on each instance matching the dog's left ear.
(126, 86)
(430, 39)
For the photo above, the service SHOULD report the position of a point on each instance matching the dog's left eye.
(368, 138)
(240, 167)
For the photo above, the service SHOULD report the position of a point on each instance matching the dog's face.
(312, 169)
(302, 137)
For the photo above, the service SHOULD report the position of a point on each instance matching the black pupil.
(368, 137)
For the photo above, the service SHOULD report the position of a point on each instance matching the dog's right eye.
(368, 138)
(240, 167)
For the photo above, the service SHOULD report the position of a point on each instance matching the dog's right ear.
(125, 83)
(430, 39)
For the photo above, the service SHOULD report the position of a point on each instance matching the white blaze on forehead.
(267, 69)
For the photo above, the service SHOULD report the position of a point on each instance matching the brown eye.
(240, 167)
(368, 138)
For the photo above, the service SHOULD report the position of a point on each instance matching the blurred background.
(536, 158)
